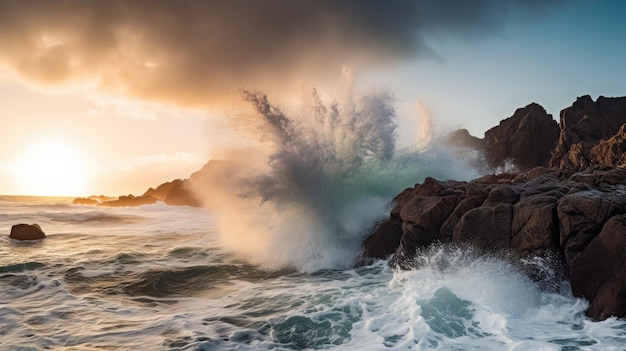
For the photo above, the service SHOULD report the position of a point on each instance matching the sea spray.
(318, 179)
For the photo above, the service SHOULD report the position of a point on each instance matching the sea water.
(155, 278)
(270, 266)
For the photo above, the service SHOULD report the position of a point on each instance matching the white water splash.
(318, 179)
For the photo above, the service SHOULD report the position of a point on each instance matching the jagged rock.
(175, 193)
(27, 232)
(585, 124)
(597, 273)
(541, 212)
(526, 138)
(590, 133)
(611, 151)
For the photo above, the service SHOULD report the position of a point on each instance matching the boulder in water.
(27, 232)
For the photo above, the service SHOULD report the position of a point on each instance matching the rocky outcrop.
(590, 133)
(580, 216)
(129, 201)
(572, 203)
(611, 151)
(583, 126)
(27, 232)
(175, 193)
(524, 140)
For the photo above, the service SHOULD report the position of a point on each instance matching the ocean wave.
(320, 178)
(21, 267)
(92, 217)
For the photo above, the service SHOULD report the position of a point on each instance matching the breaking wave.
(318, 178)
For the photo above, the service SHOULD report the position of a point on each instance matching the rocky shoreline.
(581, 218)
(563, 194)
(568, 199)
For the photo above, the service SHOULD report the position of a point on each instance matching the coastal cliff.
(569, 200)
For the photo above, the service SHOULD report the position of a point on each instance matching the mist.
(316, 179)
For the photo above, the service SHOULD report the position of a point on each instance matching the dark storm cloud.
(198, 51)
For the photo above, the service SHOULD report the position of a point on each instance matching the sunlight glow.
(51, 169)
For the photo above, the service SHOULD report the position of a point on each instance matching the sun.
(51, 168)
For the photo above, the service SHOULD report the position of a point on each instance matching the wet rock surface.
(568, 199)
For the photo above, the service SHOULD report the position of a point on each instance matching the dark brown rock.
(582, 215)
(611, 151)
(502, 195)
(175, 193)
(475, 195)
(582, 126)
(27, 232)
(384, 241)
(572, 203)
(422, 219)
(526, 138)
(548, 213)
(486, 227)
(599, 272)
(535, 225)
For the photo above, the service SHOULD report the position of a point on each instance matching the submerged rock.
(27, 232)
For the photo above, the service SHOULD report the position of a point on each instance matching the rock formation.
(175, 193)
(585, 124)
(570, 201)
(129, 201)
(27, 232)
(580, 216)
(524, 139)
(590, 133)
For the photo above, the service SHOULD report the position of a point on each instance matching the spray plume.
(318, 180)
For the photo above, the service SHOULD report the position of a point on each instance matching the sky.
(111, 97)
